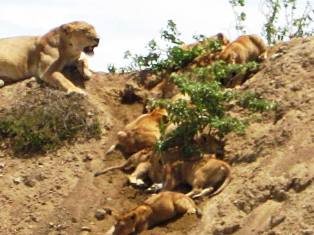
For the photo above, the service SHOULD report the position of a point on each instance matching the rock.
(90, 114)
(279, 194)
(87, 158)
(307, 232)
(28, 181)
(299, 184)
(276, 220)
(100, 214)
(18, 180)
(1, 83)
(86, 229)
(229, 229)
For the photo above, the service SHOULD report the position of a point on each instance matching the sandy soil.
(272, 190)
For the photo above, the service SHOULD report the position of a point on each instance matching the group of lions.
(206, 175)
(45, 57)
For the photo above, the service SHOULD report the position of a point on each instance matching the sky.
(125, 25)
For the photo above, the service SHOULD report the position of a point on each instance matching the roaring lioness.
(155, 210)
(46, 56)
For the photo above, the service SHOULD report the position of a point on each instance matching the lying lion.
(141, 133)
(208, 176)
(244, 49)
(138, 161)
(155, 210)
(46, 56)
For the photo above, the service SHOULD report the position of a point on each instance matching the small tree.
(282, 19)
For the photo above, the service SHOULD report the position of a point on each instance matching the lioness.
(46, 56)
(208, 176)
(155, 210)
(224, 41)
(244, 49)
(141, 133)
(132, 162)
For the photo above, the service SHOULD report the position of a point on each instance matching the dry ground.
(272, 190)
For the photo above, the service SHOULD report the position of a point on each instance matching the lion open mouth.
(89, 50)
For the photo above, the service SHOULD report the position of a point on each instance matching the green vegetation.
(208, 109)
(211, 103)
(44, 121)
(284, 19)
(174, 56)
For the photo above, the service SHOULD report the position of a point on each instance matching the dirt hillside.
(272, 190)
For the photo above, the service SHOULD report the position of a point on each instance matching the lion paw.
(154, 188)
(76, 91)
(88, 75)
(1, 83)
(136, 182)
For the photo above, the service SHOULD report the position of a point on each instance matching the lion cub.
(208, 176)
(155, 210)
(244, 49)
(141, 133)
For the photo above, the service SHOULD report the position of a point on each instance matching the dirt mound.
(273, 164)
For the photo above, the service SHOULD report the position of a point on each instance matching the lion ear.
(222, 38)
(67, 28)
(133, 217)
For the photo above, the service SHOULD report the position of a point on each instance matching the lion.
(138, 161)
(141, 133)
(224, 41)
(45, 57)
(244, 49)
(155, 210)
(207, 176)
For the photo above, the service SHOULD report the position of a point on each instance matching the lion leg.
(170, 181)
(82, 66)
(136, 178)
(185, 205)
(58, 80)
(203, 192)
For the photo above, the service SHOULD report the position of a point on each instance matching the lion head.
(126, 224)
(81, 36)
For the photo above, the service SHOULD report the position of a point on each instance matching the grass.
(45, 120)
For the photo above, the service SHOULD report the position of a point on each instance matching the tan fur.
(166, 88)
(131, 163)
(220, 37)
(206, 176)
(141, 133)
(244, 49)
(46, 56)
(155, 210)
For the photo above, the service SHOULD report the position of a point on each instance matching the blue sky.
(124, 25)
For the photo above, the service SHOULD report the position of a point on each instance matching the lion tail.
(109, 169)
(222, 187)
(111, 149)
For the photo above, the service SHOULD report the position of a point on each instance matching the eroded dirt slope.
(273, 164)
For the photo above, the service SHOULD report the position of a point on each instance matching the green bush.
(43, 121)
(174, 56)
(210, 101)
(207, 109)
